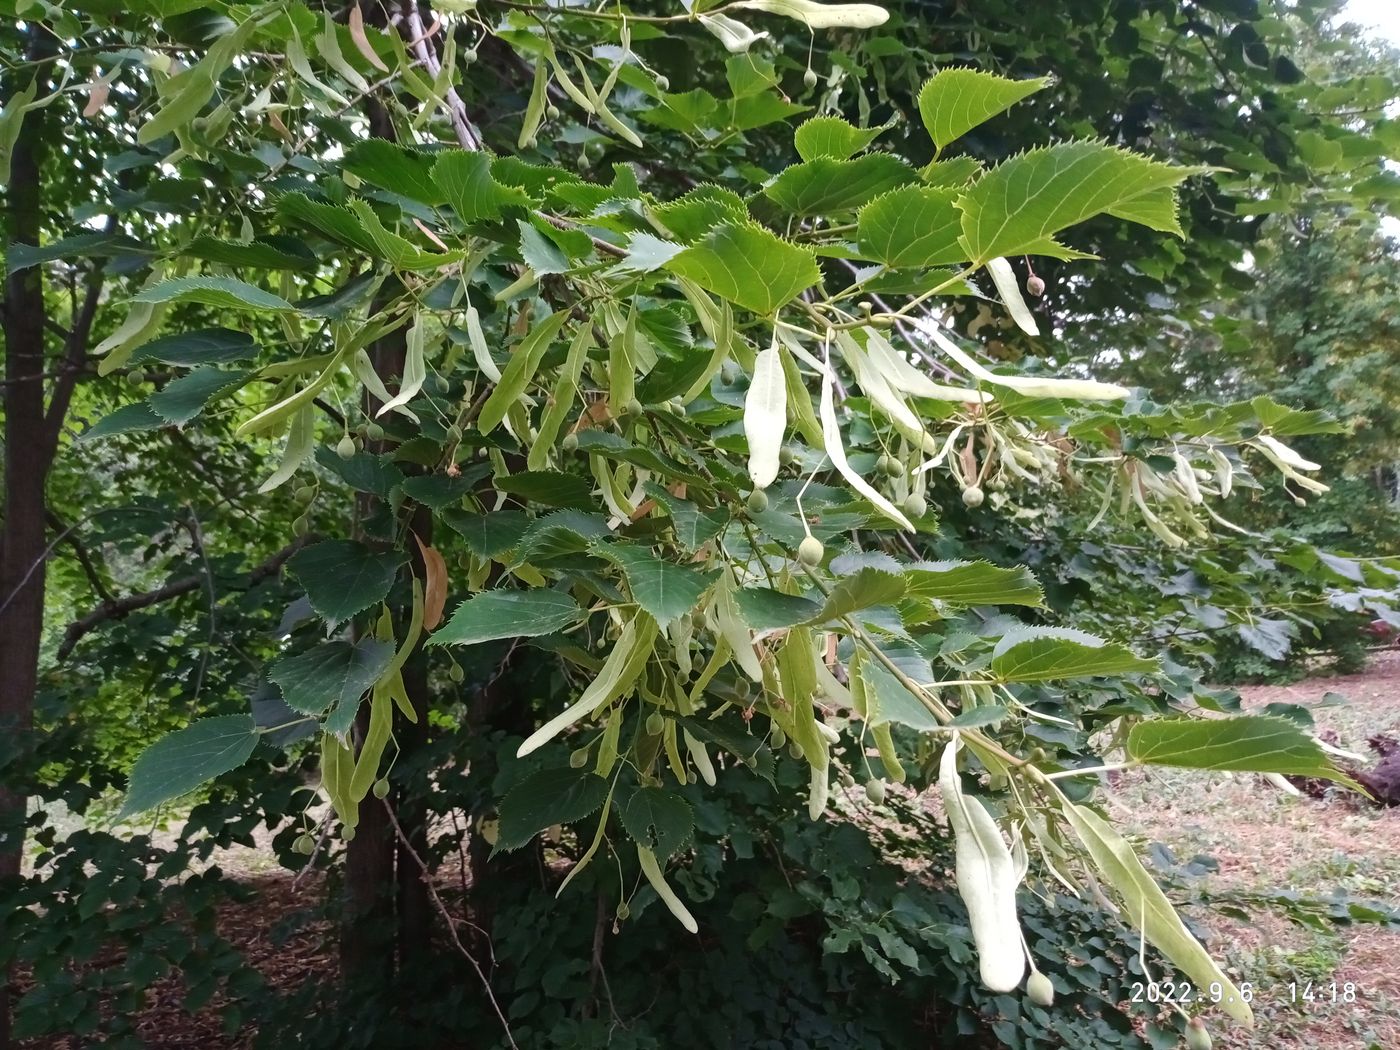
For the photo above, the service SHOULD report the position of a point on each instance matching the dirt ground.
(1266, 841)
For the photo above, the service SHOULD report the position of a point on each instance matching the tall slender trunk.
(28, 456)
(387, 905)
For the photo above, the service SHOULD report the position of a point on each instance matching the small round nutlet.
(757, 501)
(887, 466)
(810, 551)
(457, 674)
(1197, 1037)
(915, 505)
(348, 834)
(662, 83)
(786, 457)
(741, 688)
(578, 759)
(552, 112)
(381, 788)
(136, 377)
(1035, 286)
(301, 525)
(345, 449)
(795, 749)
(469, 55)
(442, 384)
(778, 738)
(656, 724)
(304, 844)
(875, 792)
(374, 432)
(1039, 989)
(305, 493)
(453, 434)
(570, 443)
(624, 911)
(972, 496)
(810, 77)
(632, 410)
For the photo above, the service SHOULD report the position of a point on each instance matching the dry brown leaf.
(98, 90)
(434, 586)
(362, 44)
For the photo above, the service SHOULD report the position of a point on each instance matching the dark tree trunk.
(28, 454)
(387, 904)
(415, 911)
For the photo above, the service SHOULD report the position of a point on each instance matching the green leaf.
(20, 256)
(659, 819)
(179, 763)
(817, 187)
(488, 535)
(1283, 421)
(831, 137)
(976, 717)
(613, 446)
(559, 534)
(893, 702)
(129, 419)
(749, 266)
(364, 471)
(1249, 743)
(496, 614)
(180, 401)
(694, 214)
(663, 588)
(467, 184)
(1147, 907)
(647, 252)
(546, 798)
(693, 527)
(342, 577)
(1019, 206)
(278, 723)
(956, 100)
(204, 346)
(439, 491)
(765, 609)
(333, 220)
(861, 590)
(551, 488)
(407, 172)
(283, 253)
(913, 226)
(973, 583)
(401, 253)
(539, 252)
(224, 292)
(330, 673)
(1043, 654)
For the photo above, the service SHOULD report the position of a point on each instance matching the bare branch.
(115, 610)
(420, 41)
(84, 558)
(427, 878)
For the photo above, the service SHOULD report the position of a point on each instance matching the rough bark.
(27, 460)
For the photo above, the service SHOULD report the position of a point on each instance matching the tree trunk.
(27, 460)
